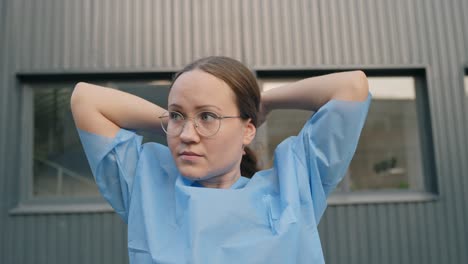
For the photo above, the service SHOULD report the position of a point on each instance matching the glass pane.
(389, 152)
(388, 155)
(60, 166)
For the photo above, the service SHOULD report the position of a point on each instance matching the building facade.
(403, 200)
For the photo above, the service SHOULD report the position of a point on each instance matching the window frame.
(430, 192)
(28, 203)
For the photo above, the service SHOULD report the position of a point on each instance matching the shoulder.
(157, 157)
(156, 150)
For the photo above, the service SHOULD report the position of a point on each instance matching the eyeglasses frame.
(186, 119)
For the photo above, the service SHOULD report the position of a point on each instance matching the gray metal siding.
(67, 36)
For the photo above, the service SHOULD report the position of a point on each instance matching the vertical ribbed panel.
(90, 35)
(4, 26)
(7, 245)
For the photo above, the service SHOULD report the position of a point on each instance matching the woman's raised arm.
(314, 92)
(104, 111)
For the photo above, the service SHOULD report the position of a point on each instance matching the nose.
(189, 132)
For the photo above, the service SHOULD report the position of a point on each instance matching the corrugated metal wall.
(90, 35)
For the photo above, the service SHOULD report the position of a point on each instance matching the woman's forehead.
(196, 89)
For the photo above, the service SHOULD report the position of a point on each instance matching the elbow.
(354, 87)
(77, 94)
(360, 85)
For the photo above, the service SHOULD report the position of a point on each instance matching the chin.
(191, 177)
(193, 174)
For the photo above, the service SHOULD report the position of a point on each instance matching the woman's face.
(209, 160)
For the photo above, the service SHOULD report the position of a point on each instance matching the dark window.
(60, 168)
(389, 153)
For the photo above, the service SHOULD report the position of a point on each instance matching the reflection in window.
(60, 165)
(389, 152)
(388, 155)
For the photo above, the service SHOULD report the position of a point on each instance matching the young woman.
(191, 202)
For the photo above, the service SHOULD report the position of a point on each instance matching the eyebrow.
(197, 107)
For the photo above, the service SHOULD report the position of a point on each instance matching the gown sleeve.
(325, 146)
(113, 162)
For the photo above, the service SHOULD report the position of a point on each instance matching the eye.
(175, 116)
(207, 116)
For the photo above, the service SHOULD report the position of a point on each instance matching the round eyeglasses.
(207, 124)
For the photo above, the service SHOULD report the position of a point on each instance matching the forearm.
(314, 92)
(104, 110)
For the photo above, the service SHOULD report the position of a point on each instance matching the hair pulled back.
(245, 87)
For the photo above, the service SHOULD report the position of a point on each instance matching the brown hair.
(244, 85)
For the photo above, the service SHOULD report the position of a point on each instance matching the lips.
(189, 156)
(189, 153)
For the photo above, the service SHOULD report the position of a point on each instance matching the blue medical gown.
(270, 218)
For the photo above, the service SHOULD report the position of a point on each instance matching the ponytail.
(248, 163)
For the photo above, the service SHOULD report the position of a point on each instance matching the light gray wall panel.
(8, 239)
(449, 101)
(103, 36)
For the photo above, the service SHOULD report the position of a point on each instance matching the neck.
(220, 182)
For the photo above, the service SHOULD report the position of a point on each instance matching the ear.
(249, 132)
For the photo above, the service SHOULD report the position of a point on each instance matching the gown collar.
(185, 189)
